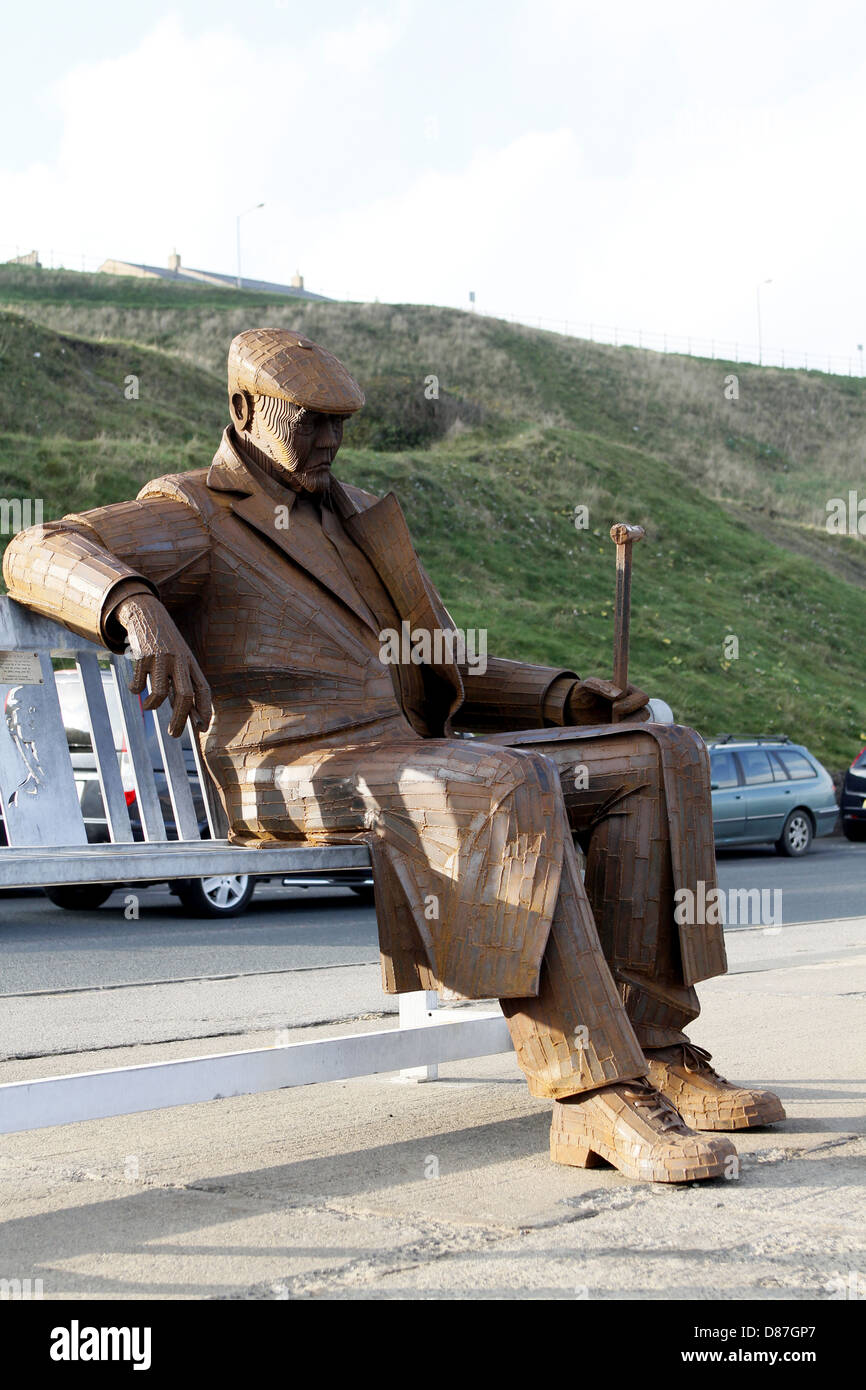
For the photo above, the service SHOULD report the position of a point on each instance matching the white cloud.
(589, 164)
(478, 228)
(358, 47)
(165, 144)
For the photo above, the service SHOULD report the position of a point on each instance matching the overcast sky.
(628, 163)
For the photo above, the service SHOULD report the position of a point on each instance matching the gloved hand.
(158, 650)
(595, 701)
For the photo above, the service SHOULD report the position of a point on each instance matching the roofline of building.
(209, 277)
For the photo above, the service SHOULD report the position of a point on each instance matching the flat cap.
(278, 362)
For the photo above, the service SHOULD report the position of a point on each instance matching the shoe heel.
(576, 1153)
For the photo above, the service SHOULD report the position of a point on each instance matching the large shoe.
(632, 1126)
(704, 1099)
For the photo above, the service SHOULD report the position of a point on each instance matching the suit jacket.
(213, 546)
(283, 612)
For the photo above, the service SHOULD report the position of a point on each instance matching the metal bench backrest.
(38, 794)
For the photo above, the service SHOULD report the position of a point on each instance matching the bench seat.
(47, 866)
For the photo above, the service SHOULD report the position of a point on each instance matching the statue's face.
(302, 442)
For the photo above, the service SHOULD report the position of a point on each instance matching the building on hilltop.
(175, 271)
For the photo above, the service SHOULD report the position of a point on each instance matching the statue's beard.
(274, 448)
(316, 479)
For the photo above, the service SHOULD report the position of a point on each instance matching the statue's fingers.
(158, 682)
(636, 699)
(636, 690)
(139, 674)
(596, 685)
(203, 709)
(180, 712)
(182, 700)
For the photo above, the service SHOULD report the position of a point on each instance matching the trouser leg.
(574, 1035)
(629, 883)
(659, 1005)
(613, 788)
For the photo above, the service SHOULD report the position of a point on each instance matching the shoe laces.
(697, 1059)
(644, 1096)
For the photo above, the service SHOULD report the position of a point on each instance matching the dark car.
(853, 803)
(769, 789)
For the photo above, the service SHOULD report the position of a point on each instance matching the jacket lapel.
(271, 510)
(308, 549)
(381, 532)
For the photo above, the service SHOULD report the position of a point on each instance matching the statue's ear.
(241, 406)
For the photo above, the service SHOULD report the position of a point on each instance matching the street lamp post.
(758, 300)
(254, 208)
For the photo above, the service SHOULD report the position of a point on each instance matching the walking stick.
(624, 537)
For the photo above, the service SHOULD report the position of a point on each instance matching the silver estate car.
(769, 789)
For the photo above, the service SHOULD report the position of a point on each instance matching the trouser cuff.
(649, 1036)
(571, 1086)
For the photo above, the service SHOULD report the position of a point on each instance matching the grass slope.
(527, 426)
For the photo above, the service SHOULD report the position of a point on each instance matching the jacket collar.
(232, 472)
(379, 530)
(267, 506)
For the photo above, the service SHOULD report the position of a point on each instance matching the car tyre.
(80, 897)
(796, 837)
(365, 892)
(218, 895)
(853, 831)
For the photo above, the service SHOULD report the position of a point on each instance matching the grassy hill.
(527, 426)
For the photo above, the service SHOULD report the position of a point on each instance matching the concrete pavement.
(381, 1189)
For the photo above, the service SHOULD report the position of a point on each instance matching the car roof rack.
(751, 738)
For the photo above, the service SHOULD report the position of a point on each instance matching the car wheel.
(853, 831)
(365, 892)
(796, 835)
(218, 895)
(80, 897)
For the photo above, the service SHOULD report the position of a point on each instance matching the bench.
(48, 847)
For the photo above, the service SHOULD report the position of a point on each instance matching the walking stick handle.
(624, 537)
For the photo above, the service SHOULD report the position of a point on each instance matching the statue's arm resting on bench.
(111, 575)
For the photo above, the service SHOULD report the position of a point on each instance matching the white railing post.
(416, 1009)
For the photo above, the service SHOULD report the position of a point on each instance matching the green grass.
(527, 426)
(504, 549)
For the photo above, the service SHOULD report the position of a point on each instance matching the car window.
(723, 770)
(795, 764)
(779, 773)
(861, 761)
(756, 765)
(73, 708)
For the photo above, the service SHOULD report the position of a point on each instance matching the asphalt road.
(828, 882)
(44, 948)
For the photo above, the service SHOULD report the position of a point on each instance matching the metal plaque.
(20, 668)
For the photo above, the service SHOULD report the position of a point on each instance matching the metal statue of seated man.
(254, 594)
